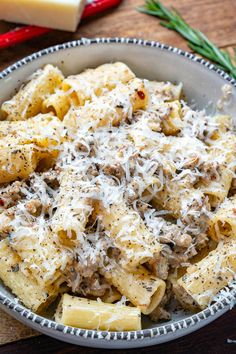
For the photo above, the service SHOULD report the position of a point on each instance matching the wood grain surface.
(217, 19)
(12, 330)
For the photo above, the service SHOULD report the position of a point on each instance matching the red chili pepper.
(1, 202)
(141, 95)
(25, 33)
(20, 35)
(98, 6)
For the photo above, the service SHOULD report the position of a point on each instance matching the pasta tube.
(144, 290)
(40, 129)
(73, 208)
(221, 155)
(94, 82)
(206, 278)
(112, 108)
(78, 312)
(223, 221)
(41, 252)
(24, 144)
(180, 199)
(18, 161)
(20, 281)
(78, 89)
(28, 101)
(58, 103)
(130, 235)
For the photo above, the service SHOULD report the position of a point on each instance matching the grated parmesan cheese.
(115, 152)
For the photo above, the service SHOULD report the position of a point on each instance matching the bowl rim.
(117, 40)
(225, 301)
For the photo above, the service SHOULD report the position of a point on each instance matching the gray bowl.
(148, 59)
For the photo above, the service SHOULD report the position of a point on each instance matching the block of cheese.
(57, 14)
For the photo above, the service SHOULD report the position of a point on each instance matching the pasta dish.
(115, 198)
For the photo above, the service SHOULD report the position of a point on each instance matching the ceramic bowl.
(151, 60)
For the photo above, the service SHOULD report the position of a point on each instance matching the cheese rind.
(57, 14)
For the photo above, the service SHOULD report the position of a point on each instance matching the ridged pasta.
(28, 101)
(206, 278)
(223, 221)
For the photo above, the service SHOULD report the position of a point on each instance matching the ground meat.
(201, 240)
(159, 267)
(94, 286)
(184, 298)
(5, 227)
(182, 240)
(113, 252)
(160, 313)
(177, 256)
(114, 170)
(82, 147)
(174, 235)
(11, 195)
(93, 170)
(85, 280)
(176, 259)
(92, 151)
(232, 190)
(79, 271)
(210, 171)
(87, 269)
(87, 147)
(177, 245)
(34, 207)
(51, 178)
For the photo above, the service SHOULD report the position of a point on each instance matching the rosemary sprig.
(197, 41)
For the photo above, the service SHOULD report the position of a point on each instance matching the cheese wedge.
(57, 14)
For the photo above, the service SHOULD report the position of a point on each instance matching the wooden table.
(217, 19)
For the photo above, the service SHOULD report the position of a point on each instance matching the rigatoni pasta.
(23, 144)
(142, 288)
(73, 209)
(24, 286)
(42, 254)
(28, 101)
(223, 222)
(93, 82)
(78, 89)
(222, 153)
(116, 196)
(131, 236)
(84, 313)
(206, 278)
(110, 109)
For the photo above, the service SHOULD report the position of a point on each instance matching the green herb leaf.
(197, 41)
